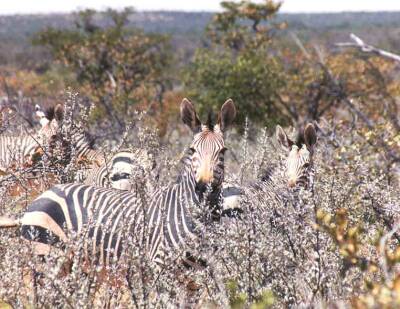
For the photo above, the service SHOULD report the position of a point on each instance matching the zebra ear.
(189, 116)
(59, 112)
(310, 136)
(39, 112)
(283, 139)
(227, 115)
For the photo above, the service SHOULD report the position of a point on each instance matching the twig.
(382, 246)
(362, 46)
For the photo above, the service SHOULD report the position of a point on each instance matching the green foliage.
(116, 67)
(238, 63)
(243, 25)
(250, 79)
(239, 300)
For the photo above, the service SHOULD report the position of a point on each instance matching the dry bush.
(315, 247)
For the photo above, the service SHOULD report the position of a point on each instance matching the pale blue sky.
(45, 6)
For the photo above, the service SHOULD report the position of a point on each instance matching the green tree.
(239, 62)
(118, 68)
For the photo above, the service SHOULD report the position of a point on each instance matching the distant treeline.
(171, 22)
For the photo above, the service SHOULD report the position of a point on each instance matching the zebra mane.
(90, 139)
(50, 113)
(300, 141)
(210, 120)
(54, 113)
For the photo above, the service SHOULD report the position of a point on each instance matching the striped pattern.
(84, 151)
(207, 151)
(298, 166)
(299, 161)
(299, 171)
(118, 171)
(115, 217)
(77, 145)
(73, 206)
(75, 142)
(17, 150)
(265, 191)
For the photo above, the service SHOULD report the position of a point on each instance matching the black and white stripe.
(74, 141)
(17, 150)
(298, 171)
(119, 170)
(299, 165)
(166, 222)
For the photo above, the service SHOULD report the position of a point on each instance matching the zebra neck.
(187, 182)
(209, 196)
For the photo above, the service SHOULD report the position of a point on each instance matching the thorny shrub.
(334, 243)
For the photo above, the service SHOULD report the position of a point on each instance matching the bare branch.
(362, 46)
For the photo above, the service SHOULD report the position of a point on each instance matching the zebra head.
(50, 120)
(300, 152)
(207, 149)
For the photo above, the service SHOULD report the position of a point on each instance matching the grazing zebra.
(299, 170)
(18, 150)
(118, 171)
(164, 223)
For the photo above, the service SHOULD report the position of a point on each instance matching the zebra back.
(111, 220)
(119, 170)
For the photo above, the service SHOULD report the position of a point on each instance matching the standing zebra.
(298, 169)
(299, 163)
(114, 216)
(17, 150)
(76, 142)
(95, 169)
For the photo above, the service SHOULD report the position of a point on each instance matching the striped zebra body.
(266, 190)
(78, 148)
(84, 151)
(299, 172)
(17, 150)
(75, 142)
(117, 172)
(113, 217)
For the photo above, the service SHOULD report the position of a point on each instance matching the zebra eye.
(192, 150)
(223, 150)
(306, 165)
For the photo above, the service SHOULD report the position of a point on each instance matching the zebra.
(26, 149)
(167, 217)
(76, 142)
(299, 170)
(95, 169)
(118, 171)
(299, 163)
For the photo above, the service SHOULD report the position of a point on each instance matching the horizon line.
(78, 9)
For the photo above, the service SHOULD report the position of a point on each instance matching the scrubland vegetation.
(335, 244)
